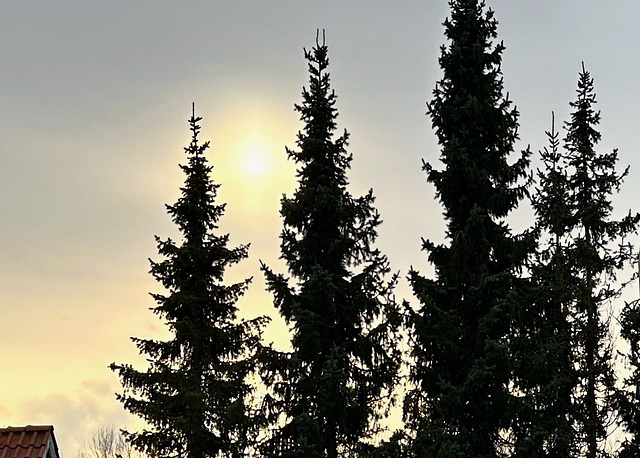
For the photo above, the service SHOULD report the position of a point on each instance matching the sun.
(255, 163)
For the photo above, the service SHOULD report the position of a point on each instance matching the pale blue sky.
(94, 98)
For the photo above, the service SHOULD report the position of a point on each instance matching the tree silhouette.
(331, 387)
(194, 395)
(461, 333)
(545, 376)
(628, 399)
(596, 249)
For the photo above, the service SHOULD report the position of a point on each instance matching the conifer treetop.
(194, 394)
(461, 341)
(331, 390)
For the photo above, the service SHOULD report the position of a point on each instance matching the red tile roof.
(27, 442)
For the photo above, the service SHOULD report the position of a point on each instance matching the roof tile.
(25, 441)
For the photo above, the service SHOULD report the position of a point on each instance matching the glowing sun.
(255, 163)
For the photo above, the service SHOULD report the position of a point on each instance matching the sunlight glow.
(255, 163)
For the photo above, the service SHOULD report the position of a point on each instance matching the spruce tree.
(545, 377)
(194, 395)
(461, 332)
(597, 249)
(333, 387)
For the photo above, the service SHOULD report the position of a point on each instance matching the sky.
(94, 102)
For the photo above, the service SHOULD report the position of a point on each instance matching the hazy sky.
(94, 102)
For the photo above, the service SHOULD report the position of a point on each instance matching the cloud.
(76, 415)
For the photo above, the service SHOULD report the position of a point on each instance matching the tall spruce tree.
(461, 332)
(194, 395)
(545, 376)
(596, 249)
(332, 388)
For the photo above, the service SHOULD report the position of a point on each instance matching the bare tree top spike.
(318, 37)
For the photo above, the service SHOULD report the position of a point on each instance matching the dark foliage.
(395, 447)
(194, 394)
(597, 250)
(461, 334)
(628, 399)
(330, 391)
(571, 389)
(545, 376)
